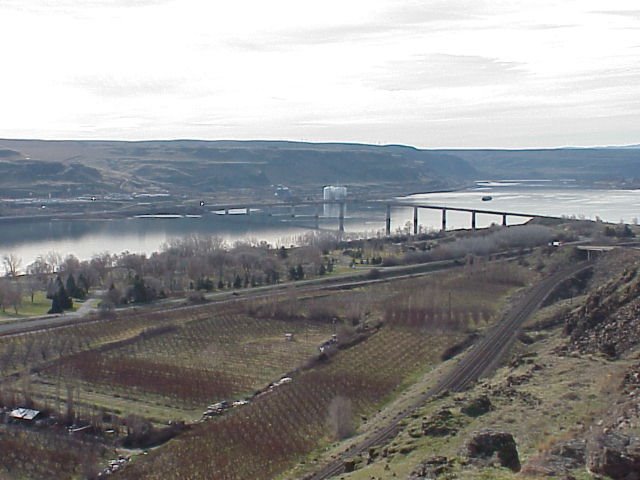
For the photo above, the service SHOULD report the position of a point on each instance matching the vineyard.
(169, 365)
(288, 424)
(58, 455)
(201, 362)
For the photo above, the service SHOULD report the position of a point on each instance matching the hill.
(188, 166)
(587, 165)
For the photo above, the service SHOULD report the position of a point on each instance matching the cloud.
(110, 86)
(633, 14)
(612, 78)
(444, 70)
(64, 5)
(392, 20)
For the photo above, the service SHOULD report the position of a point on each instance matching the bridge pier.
(473, 220)
(226, 211)
(248, 211)
(444, 219)
(415, 220)
(388, 221)
(504, 219)
(316, 217)
(293, 210)
(341, 218)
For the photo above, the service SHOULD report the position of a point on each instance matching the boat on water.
(486, 198)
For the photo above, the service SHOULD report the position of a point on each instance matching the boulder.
(477, 406)
(616, 455)
(489, 447)
(349, 465)
(571, 454)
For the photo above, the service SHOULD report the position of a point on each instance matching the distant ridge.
(193, 167)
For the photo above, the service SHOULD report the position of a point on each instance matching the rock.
(571, 452)
(439, 424)
(430, 469)
(616, 455)
(349, 465)
(488, 445)
(478, 406)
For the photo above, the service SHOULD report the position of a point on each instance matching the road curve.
(482, 358)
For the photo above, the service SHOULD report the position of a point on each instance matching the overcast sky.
(450, 73)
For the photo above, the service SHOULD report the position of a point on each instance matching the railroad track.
(481, 359)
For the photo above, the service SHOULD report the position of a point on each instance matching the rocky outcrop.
(616, 455)
(490, 447)
(431, 468)
(440, 424)
(608, 321)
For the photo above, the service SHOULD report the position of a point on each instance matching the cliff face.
(609, 321)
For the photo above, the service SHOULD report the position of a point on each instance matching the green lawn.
(40, 306)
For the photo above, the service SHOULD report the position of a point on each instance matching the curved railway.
(480, 360)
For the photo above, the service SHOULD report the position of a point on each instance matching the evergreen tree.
(60, 300)
(83, 283)
(293, 275)
(55, 305)
(72, 288)
(139, 292)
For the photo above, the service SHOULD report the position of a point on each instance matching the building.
(333, 193)
(283, 193)
(24, 414)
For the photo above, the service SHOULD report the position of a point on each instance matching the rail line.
(481, 359)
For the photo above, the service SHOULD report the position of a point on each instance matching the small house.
(24, 414)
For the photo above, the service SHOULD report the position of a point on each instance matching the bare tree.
(54, 259)
(340, 418)
(12, 264)
(14, 296)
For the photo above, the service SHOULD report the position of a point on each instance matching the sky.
(428, 73)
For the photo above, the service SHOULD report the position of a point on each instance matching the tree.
(114, 296)
(40, 268)
(139, 292)
(73, 289)
(33, 284)
(60, 299)
(340, 418)
(12, 264)
(15, 296)
(293, 275)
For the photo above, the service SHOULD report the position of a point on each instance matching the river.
(85, 238)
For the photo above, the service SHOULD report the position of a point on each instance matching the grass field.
(40, 306)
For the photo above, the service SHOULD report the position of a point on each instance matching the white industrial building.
(334, 193)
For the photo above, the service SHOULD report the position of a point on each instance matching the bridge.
(445, 209)
(291, 206)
